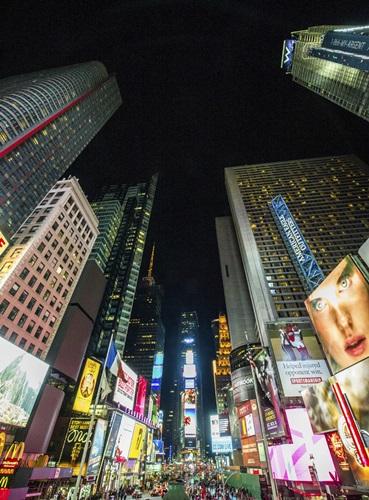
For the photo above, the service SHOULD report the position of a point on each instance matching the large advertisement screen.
(74, 443)
(294, 461)
(125, 388)
(97, 447)
(189, 420)
(141, 395)
(21, 378)
(242, 384)
(137, 440)
(341, 404)
(339, 310)
(299, 358)
(86, 386)
(123, 440)
(269, 398)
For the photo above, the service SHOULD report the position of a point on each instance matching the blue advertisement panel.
(299, 251)
(344, 58)
(347, 42)
(287, 54)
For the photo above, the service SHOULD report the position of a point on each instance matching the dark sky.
(202, 90)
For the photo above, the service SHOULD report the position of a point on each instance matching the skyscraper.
(46, 119)
(332, 61)
(328, 197)
(121, 245)
(222, 364)
(39, 272)
(146, 334)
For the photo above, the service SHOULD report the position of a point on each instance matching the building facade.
(122, 265)
(332, 61)
(46, 119)
(222, 363)
(328, 198)
(39, 272)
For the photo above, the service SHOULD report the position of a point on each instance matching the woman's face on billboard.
(339, 309)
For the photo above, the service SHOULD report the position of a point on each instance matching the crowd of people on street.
(215, 490)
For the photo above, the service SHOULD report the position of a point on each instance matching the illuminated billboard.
(123, 439)
(298, 355)
(301, 255)
(214, 426)
(3, 243)
(21, 378)
(189, 357)
(141, 395)
(87, 386)
(125, 388)
(293, 462)
(97, 447)
(287, 54)
(189, 383)
(189, 398)
(157, 371)
(74, 443)
(189, 371)
(189, 421)
(137, 441)
(242, 384)
(339, 310)
(341, 404)
(222, 445)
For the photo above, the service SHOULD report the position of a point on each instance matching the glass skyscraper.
(332, 61)
(222, 363)
(46, 119)
(119, 251)
(328, 198)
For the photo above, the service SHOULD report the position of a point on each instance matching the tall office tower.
(240, 315)
(222, 363)
(331, 61)
(46, 119)
(41, 269)
(126, 241)
(328, 198)
(146, 334)
(171, 420)
(188, 335)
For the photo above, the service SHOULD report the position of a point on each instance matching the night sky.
(202, 90)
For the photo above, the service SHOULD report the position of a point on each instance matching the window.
(52, 321)
(54, 262)
(47, 255)
(46, 294)
(65, 293)
(53, 301)
(30, 326)
(53, 282)
(55, 226)
(40, 267)
(44, 339)
(41, 247)
(3, 331)
(31, 303)
(14, 289)
(40, 288)
(60, 251)
(22, 320)
(13, 313)
(23, 296)
(38, 332)
(31, 348)
(22, 343)
(59, 306)
(47, 275)
(39, 310)
(54, 244)
(33, 260)
(48, 236)
(23, 275)
(13, 337)
(38, 353)
(32, 281)
(59, 288)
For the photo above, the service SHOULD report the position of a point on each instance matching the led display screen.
(123, 440)
(189, 357)
(125, 388)
(189, 383)
(86, 386)
(97, 447)
(138, 439)
(189, 420)
(293, 462)
(141, 395)
(339, 310)
(21, 378)
(189, 371)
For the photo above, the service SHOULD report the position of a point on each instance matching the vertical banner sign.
(125, 388)
(97, 447)
(74, 443)
(87, 386)
(141, 395)
(299, 251)
(137, 440)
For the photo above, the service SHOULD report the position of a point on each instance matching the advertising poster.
(137, 440)
(250, 453)
(189, 397)
(293, 461)
(87, 386)
(339, 456)
(242, 384)
(214, 426)
(125, 388)
(189, 421)
(249, 419)
(339, 311)
(222, 445)
(233, 421)
(299, 358)
(269, 398)
(124, 438)
(21, 378)
(141, 395)
(74, 443)
(96, 451)
(341, 404)
(113, 434)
